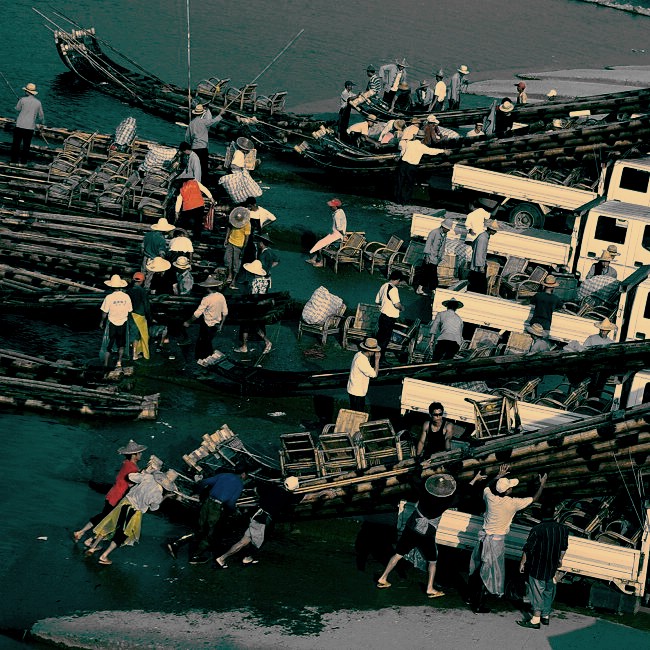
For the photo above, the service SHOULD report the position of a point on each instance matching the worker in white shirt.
(411, 154)
(361, 372)
(390, 306)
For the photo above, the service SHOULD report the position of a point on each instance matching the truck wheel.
(526, 215)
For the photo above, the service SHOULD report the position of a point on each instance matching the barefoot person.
(115, 308)
(132, 453)
(258, 284)
(212, 311)
(125, 520)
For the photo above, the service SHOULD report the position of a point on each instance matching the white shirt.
(410, 132)
(413, 150)
(360, 373)
(388, 297)
(398, 78)
(118, 307)
(339, 222)
(499, 511)
(263, 215)
(213, 308)
(147, 494)
(440, 91)
(476, 222)
(359, 127)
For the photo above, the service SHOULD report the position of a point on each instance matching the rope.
(636, 511)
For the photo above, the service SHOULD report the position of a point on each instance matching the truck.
(529, 202)
(624, 225)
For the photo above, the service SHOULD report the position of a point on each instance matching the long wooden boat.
(615, 358)
(594, 453)
(628, 101)
(81, 51)
(565, 148)
(34, 383)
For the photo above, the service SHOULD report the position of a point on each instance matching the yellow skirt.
(106, 527)
(141, 346)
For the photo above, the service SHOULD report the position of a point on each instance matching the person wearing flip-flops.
(133, 453)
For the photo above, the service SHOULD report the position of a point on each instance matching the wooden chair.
(379, 254)
(350, 252)
(65, 164)
(378, 443)
(594, 405)
(492, 276)
(408, 261)
(331, 325)
(512, 266)
(337, 453)
(522, 285)
(495, 416)
(483, 343)
(347, 421)
(211, 88)
(516, 390)
(403, 334)
(420, 347)
(242, 96)
(361, 325)
(518, 343)
(298, 455)
(274, 103)
(565, 396)
(447, 270)
(613, 536)
(79, 144)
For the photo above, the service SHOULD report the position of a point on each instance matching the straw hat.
(211, 281)
(432, 119)
(158, 265)
(30, 88)
(606, 325)
(606, 257)
(291, 483)
(424, 84)
(255, 267)
(199, 109)
(132, 447)
(116, 282)
(167, 479)
(239, 217)
(399, 124)
(463, 69)
(336, 203)
(452, 303)
(448, 224)
(613, 249)
(492, 225)
(504, 484)
(551, 93)
(182, 263)
(163, 225)
(154, 464)
(244, 144)
(440, 485)
(403, 85)
(536, 329)
(370, 345)
(506, 107)
(550, 281)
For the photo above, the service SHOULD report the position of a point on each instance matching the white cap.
(504, 484)
(291, 483)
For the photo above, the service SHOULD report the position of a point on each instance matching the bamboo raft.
(588, 457)
(35, 383)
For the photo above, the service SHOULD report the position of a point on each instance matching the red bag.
(208, 220)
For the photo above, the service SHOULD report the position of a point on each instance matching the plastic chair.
(403, 334)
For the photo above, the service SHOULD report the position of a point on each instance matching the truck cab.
(629, 182)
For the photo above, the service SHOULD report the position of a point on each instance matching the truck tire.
(526, 215)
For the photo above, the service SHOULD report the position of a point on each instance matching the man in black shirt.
(542, 557)
(545, 302)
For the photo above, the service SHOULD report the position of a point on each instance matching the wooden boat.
(82, 53)
(629, 101)
(594, 453)
(618, 357)
(564, 148)
(35, 383)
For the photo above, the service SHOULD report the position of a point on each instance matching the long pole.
(9, 85)
(279, 54)
(189, 64)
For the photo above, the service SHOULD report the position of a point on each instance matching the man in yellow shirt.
(237, 234)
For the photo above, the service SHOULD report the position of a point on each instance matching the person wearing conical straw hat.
(125, 520)
(447, 331)
(132, 453)
(184, 278)
(439, 493)
(603, 266)
(115, 309)
(477, 279)
(237, 234)
(155, 244)
(503, 118)
(545, 303)
(30, 113)
(212, 311)
(197, 135)
(457, 85)
(605, 327)
(163, 278)
(362, 371)
(258, 283)
(392, 75)
(423, 97)
(540, 342)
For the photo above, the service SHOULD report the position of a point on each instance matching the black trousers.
(357, 402)
(204, 158)
(20, 145)
(204, 342)
(405, 182)
(444, 350)
(192, 220)
(385, 327)
(427, 276)
(344, 121)
(438, 106)
(477, 282)
(454, 105)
